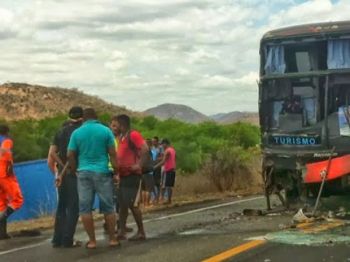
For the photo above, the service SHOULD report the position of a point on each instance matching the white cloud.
(140, 53)
(8, 27)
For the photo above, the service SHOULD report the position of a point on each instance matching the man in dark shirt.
(67, 213)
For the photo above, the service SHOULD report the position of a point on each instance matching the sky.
(143, 53)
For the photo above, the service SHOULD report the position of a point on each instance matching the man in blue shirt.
(92, 146)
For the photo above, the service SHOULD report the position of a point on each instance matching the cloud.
(8, 27)
(141, 53)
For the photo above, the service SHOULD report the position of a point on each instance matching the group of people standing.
(113, 162)
(157, 184)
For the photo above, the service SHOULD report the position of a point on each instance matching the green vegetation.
(195, 144)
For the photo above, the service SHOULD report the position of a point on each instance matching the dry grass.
(198, 186)
(38, 223)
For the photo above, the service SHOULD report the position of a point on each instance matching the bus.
(304, 110)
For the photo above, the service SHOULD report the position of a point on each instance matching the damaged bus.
(304, 110)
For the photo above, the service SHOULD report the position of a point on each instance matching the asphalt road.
(210, 231)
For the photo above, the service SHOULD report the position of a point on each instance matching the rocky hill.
(236, 116)
(22, 101)
(180, 112)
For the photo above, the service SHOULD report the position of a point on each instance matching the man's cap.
(75, 112)
(165, 141)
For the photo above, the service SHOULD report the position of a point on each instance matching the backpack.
(148, 165)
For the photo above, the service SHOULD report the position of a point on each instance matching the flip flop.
(127, 230)
(115, 245)
(75, 243)
(137, 238)
(121, 237)
(89, 247)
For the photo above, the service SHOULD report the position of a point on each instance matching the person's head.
(114, 126)
(165, 143)
(4, 130)
(123, 123)
(89, 114)
(149, 142)
(76, 113)
(155, 141)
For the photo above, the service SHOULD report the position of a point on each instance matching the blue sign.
(294, 140)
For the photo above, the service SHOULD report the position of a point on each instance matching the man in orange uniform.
(10, 194)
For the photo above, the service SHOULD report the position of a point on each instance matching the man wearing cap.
(11, 197)
(67, 213)
(169, 162)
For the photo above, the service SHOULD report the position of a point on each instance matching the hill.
(236, 116)
(179, 112)
(23, 101)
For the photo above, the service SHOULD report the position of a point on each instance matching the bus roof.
(329, 28)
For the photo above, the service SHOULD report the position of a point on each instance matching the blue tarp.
(38, 188)
(39, 192)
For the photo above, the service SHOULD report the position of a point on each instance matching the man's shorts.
(90, 183)
(148, 182)
(169, 178)
(129, 190)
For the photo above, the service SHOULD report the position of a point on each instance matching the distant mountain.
(23, 101)
(179, 112)
(236, 116)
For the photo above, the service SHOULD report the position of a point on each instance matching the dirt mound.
(181, 112)
(23, 101)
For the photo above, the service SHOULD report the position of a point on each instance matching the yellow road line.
(305, 225)
(235, 251)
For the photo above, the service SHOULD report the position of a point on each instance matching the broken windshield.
(292, 105)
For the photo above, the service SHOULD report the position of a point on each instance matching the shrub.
(227, 166)
(194, 144)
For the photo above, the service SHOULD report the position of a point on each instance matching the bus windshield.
(304, 82)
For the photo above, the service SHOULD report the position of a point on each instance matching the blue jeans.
(91, 183)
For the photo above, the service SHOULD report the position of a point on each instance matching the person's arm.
(53, 158)
(72, 160)
(143, 154)
(164, 159)
(6, 154)
(111, 150)
(72, 150)
(143, 148)
(113, 159)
